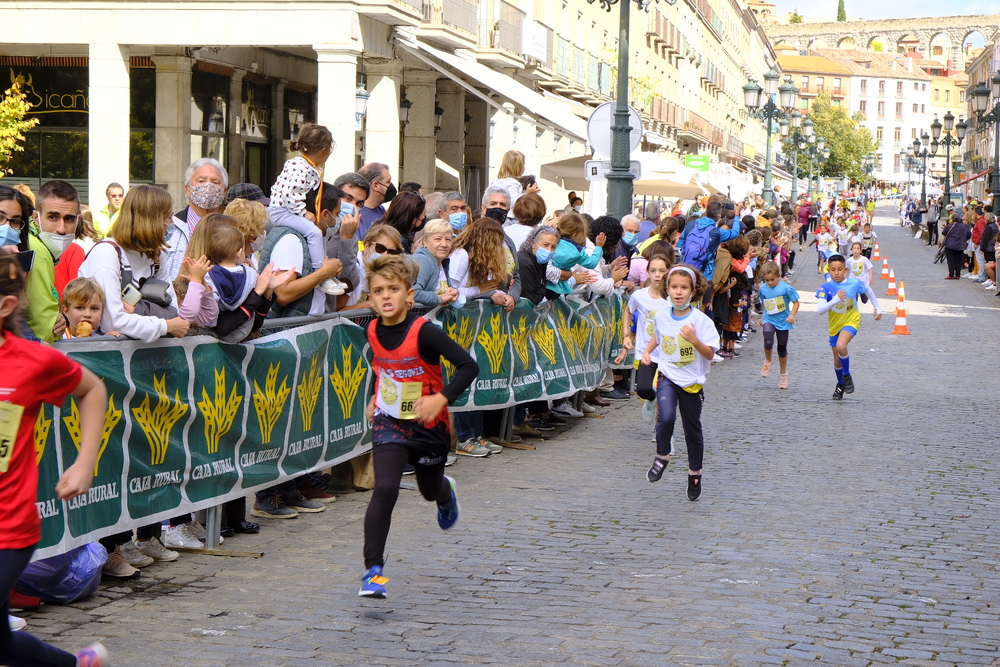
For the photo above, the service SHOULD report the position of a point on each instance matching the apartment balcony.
(393, 12)
(837, 92)
(504, 43)
(881, 93)
(451, 23)
(899, 116)
(541, 69)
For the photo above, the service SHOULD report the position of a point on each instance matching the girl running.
(643, 306)
(776, 296)
(683, 343)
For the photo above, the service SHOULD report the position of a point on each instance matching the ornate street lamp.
(796, 137)
(404, 110)
(981, 95)
(929, 150)
(954, 134)
(760, 103)
(360, 106)
(815, 149)
(438, 113)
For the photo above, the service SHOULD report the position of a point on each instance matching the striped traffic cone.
(902, 295)
(900, 328)
(885, 269)
(892, 284)
(876, 256)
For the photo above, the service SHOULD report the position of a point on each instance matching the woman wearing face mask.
(534, 255)
(15, 214)
(380, 240)
(432, 287)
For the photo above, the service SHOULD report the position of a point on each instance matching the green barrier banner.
(192, 423)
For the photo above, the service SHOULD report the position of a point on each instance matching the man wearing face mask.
(454, 210)
(630, 239)
(205, 183)
(57, 213)
(380, 194)
(496, 203)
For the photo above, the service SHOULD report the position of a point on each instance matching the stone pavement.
(851, 533)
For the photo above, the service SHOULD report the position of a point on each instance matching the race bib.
(10, 422)
(775, 305)
(398, 399)
(679, 351)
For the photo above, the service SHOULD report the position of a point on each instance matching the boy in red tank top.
(409, 411)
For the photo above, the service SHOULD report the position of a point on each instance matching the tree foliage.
(846, 139)
(796, 17)
(13, 124)
(878, 46)
(841, 11)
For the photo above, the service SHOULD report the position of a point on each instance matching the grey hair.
(454, 196)
(355, 179)
(201, 162)
(495, 190)
(373, 171)
(535, 233)
(652, 210)
(629, 218)
(432, 204)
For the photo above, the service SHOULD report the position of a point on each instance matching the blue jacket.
(717, 236)
(429, 277)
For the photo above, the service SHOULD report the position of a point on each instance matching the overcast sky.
(887, 9)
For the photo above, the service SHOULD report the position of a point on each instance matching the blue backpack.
(695, 252)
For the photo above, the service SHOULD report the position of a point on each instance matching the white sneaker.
(200, 532)
(649, 411)
(134, 557)
(181, 537)
(587, 408)
(988, 285)
(717, 359)
(155, 550)
(737, 346)
(565, 409)
(116, 566)
(16, 623)
(332, 286)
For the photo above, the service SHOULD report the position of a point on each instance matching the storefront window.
(298, 112)
(209, 116)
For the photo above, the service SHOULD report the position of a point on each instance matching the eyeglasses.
(381, 249)
(15, 223)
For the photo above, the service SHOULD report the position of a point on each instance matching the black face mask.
(390, 192)
(497, 213)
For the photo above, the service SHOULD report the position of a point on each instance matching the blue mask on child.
(630, 238)
(346, 209)
(9, 236)
(458, 220)
(543, 255)
(375, 255)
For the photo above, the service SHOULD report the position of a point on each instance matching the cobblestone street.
(851, 533)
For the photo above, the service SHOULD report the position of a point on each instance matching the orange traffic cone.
(900, 328)
(876, 256)
(892, 284)
(885, 269)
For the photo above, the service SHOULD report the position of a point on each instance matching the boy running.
(838, 297)
(409, 409)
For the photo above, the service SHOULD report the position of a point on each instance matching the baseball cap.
(247, 191)
(949, 207)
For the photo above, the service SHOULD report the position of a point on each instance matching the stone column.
(173, 124)
(337, 67)
(451, 137)
(278, 122)
(477, 150)
(418, 137)
(109, 119)
(382, 116)
(235, 166)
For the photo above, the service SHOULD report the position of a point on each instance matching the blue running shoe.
(373, 583)
(448, 514)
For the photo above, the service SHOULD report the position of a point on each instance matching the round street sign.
(599, 128)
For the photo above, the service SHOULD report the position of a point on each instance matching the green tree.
(878, 46)
(847, 141)
(796, 17)
(13, 124)
(841, 11)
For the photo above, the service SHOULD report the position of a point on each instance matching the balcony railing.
(579, 66)
(461, 14)
(564, 58)
(511, 28)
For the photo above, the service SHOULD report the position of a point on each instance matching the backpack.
(695, 252)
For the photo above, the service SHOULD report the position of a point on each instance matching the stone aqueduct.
(889, 32)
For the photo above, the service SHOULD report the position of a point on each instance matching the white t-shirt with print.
(861, 269)
(646, 307)
(677, 358)
(287, 255)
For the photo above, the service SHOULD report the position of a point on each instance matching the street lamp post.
(954, 134)
(620, 177)
(816, 149)
(808, 127)
(929, 150)
(767, 112)
(980, 101)
(868, 164)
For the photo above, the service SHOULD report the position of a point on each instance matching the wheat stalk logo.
(158, 422)
(347, 380)
(42, 428)
(270, 402)
(460, 332)
(582, 332)
(519, 336)
(220, 411)
(309, 390)
(545, 338)
(492, 341)
(567, 335)
(111, 418)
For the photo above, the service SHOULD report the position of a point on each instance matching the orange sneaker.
(765, 370)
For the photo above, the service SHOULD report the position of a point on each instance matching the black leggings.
(804, 232)
(668, 396)
(644, 382)
(389, 460)
(769, 333)
(954, 262)
(21, 649)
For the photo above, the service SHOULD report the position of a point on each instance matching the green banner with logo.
(191, 423)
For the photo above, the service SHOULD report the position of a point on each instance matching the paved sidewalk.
(851, 533)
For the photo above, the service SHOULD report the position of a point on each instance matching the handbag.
(155, 292)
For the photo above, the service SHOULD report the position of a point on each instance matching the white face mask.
(56, 243)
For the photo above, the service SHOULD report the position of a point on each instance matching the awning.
(660, 177)
(972, 178)
(544, 112)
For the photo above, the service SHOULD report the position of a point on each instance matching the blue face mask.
(9, 236)
(346, 209)
(458, 220)
(543, 255)
(630, 238)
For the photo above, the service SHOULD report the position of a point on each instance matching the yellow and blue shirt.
(845, 313)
